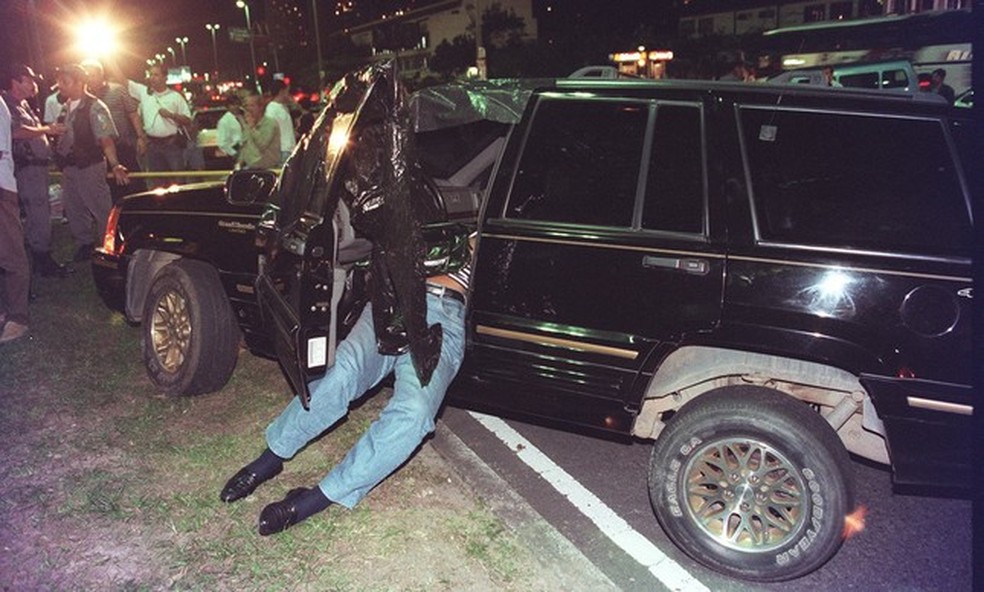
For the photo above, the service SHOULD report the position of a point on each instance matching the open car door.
(304, 247)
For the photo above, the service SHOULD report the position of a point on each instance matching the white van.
(893, 75)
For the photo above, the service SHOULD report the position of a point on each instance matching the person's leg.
(175, 156)
(390, 440)
(32, 189)
(79, 222)
(358, 367)
(13, 261)
(96, 196)
(156, 162)
(406, 419)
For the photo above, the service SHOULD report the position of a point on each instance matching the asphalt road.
(910, 543)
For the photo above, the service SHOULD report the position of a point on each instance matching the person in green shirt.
(261, 136)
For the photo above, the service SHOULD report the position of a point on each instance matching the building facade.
(710, 17)
(413, 35)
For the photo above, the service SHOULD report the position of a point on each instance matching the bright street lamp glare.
(95, 39)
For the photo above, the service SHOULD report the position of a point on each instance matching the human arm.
(105, 131)
(137, 122)
(120, 174)
(27, 132)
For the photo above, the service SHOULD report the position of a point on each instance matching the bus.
(930, 40)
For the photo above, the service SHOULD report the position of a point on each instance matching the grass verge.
(106, 484)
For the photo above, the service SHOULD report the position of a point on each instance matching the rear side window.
(855, 181)
(581, 163)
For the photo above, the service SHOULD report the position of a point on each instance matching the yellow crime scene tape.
(172, 174)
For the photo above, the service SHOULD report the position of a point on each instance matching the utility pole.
(212, 28)
(480, 62)
(182, 41)
(317, 43)
(252, 47)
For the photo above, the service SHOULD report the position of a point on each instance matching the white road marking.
(670, 573)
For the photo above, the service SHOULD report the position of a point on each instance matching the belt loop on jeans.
(445, 292)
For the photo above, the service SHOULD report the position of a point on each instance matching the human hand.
(142, 146)
(165, 113)
(56, 129)
(121, 175)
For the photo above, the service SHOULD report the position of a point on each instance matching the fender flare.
(693, 370)
(143, 268)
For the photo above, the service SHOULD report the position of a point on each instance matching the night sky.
(147, 27)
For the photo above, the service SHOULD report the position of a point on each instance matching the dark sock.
(267, 464)
(310, 503)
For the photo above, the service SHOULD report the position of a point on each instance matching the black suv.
(760, 279)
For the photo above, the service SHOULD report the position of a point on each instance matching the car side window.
(894, 79)
(581, 163)
(862, 80)
(849, 181)
(675, 184)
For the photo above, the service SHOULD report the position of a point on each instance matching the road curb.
(571, 569)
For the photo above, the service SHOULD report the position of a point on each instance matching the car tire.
(190, 337)
(752, 483)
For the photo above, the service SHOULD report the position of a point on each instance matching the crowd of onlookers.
(108, 136)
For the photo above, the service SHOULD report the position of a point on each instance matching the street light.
(174, 57)
(184, 56)
(212, 28)
(160, 58)
(252, 49)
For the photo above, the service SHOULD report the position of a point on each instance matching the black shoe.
(48, 267)
(279, 516)
(244, 483)
(83, 253)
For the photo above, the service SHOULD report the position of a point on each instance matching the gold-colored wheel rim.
(170, 331)
(746, 495)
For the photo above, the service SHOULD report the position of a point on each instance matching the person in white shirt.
(228, 131)
(278, 111)
(13, 257)
(165, 115)
(53, 107)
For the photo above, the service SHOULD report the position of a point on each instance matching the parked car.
(891, 75)
(205, 122)
(760, 279)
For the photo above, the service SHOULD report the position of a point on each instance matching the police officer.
(82, 153)
(32, 157)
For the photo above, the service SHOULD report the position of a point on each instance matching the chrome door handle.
(686, 264)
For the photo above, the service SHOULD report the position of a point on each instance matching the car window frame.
(635, 228)
(890, 252)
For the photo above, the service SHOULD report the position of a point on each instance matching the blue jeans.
(403, 423)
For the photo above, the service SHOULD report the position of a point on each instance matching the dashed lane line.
(670, 573)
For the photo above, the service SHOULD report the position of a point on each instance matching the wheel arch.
(144, 266)
(691, 371)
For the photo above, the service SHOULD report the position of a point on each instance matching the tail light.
(109, 239)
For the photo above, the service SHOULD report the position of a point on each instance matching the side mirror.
(250, 186)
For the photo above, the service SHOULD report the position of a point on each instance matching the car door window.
(846, 180)
(581, 163)
(675, 183)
